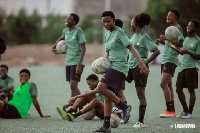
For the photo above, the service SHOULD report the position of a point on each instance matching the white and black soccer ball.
(101, 65)
(61, 47)
(89, 115)
(114, 120)
(172, 33)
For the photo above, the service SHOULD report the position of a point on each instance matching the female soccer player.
(143, 44)
(188, 73)
(169, 63)
(74, 61)
(116, 43)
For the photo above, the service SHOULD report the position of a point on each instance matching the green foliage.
(158, 9)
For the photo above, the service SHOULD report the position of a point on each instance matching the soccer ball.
(89, 115)
(114, 120)
(172, 33)
(101, 65)
(61, 47)
(3, 97)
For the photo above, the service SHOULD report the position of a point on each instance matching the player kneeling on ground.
(188, 73)
(24, 95)
(6, 84)
(93, 98)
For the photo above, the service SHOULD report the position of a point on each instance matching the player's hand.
(163, 37)
(65, 107)
(55, 51)
(78, 69)
(183, 51)
(146, 63)
(171, 45)
(73, 99)
(157, 41)
(143, 69)
(45, 116)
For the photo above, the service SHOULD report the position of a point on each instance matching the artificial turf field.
(54, 91)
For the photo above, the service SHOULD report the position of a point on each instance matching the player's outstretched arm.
(90, 93)
(174, 48)
(37, 107)
(7, 89)
(177, 43)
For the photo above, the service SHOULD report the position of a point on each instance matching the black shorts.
(71, 73)
(114, 79)
(168, 68)
(100, 116)
(139, 78)
(9, 112)
(187, 78)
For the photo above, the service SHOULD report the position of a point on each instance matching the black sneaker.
(126, 114)
(102, 130)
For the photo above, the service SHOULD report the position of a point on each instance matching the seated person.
(6, 83)
(24, 95)
(93, 98)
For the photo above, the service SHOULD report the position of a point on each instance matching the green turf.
(55, 91)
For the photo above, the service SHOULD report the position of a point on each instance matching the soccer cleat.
(70, 116)
(63, 114)
(183, 113)
(174, 114)
(126, 114)
(186, 116)
(102, 130)
(116, 110)
(167, 114)
(138, 125)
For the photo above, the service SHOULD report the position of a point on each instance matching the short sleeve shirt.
(170, 55)
(142, 44)
(193, 45)
(115, 44)
(33, 89)
(73, 38)
(7, 82)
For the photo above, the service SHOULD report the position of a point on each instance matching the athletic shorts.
(10, 112)
(71, 73)
(168, 68)
(100, 116)
(139, 78)
(114, 79)
(187, 78)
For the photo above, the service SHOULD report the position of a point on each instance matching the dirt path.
(26, 55)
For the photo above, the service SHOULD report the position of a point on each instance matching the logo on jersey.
(113, 39)
(138, 43)
(192, 44)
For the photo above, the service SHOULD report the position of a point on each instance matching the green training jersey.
(7, 82)
(115, 44)
(193, 45)
(142, 44)
(170, 55)
(73, 38)
(22, 98)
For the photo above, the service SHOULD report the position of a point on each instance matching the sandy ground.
(28, 55)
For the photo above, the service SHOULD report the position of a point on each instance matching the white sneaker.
(186, 116)
(183, 113)
(122, 121)
(116, 110)
(138, 125)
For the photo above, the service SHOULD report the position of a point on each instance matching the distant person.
(188, 73)
(2, 46)
(169, 63)
(143, 45)
(6, 82)
(92, 99)
(24, 95)
(75, 57)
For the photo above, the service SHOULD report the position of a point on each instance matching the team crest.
(113, 38)
(138, 43)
